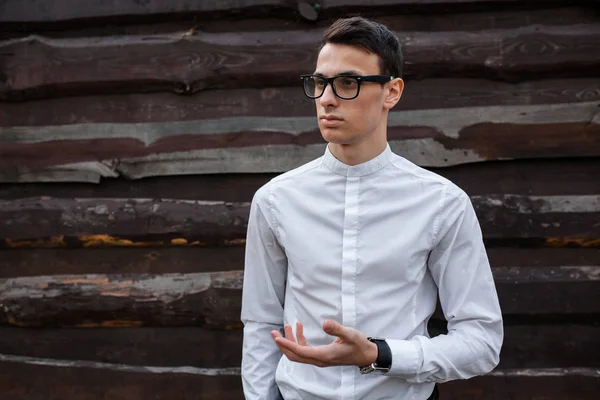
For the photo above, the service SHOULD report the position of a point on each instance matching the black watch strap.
(384, 353)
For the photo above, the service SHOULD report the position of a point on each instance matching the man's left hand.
(350, 347)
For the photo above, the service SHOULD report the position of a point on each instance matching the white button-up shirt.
(368, 246)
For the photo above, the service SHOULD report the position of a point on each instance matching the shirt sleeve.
(460, 268)
(263, 293)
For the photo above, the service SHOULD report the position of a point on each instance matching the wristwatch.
(384, 358)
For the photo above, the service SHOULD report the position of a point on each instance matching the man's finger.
(300, 334)
(322, 354)
(286, 346)
(275, 334)
(289, 334)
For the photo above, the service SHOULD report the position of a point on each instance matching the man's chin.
(336, 136)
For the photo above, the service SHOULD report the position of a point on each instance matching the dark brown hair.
(371, 36)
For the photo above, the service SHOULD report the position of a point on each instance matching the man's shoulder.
(288, 178)
(442, 185)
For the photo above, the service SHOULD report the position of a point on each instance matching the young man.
(348, 252)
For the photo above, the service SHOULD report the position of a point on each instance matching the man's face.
(359, 118)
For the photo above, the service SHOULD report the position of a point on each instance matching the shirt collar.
(365, 168)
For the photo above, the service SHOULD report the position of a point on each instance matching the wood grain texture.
(550, 346)
(259, 144)
(524, 346)
(15, 11)
(186, 64)
(30, 381)
(522, 388)
(209, 300)
(550, 176)
(286, 102)
(194, 259)
(21, 381)
(93, 222)
(185, 222)
(213, 300)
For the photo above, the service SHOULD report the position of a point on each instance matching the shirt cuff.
(407, 356)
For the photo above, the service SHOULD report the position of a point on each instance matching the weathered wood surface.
(182, 222)
(89, 222)
(286, 102)
(156, 260)
(550, 176)
(33, 379)
(460, 19)
(204, 300)
(525, 346)
(213, 300)
(266, 144)
(37, 67)
(524, 387)
(52, 380)
(15, 11)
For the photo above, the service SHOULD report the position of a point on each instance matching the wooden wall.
(134, 134)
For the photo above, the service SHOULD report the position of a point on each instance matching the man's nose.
(329, 98)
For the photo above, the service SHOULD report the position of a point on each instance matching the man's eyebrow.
(345, 73)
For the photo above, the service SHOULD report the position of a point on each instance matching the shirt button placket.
(349, 266)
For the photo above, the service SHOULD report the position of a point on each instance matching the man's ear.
(393, 94)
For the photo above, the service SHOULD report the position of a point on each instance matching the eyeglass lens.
(345, 87)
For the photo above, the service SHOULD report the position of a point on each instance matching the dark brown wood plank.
(210, 300)
(555, 387)
(285, 102)
(552, 176)
(213, 300)
(198, 347)
(189, 63)
(524, 346)
(430, 138)
(138, 260)
(15, 11)
(459, 19)
(27, 381)
(179, 222)
(127, 222)
(161, 260)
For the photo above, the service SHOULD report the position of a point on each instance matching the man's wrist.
(373, 353)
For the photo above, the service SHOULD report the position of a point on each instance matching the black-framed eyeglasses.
(346, 87)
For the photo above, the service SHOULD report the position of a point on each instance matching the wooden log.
(204, 300)
(213, 300)
(189, 63)
(551, 176)
(164, 346)
(36, 379)
(91, 222)
(160, 260)
(523, 385)
(180, 222)
(32, 379)
(461, 19)
(524, 346)
(98, 10)
(258, 144)
(286, 102)
(149, 260)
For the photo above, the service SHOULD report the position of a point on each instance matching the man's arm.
(460, 268)
(262, 302)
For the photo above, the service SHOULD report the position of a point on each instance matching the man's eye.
(348, 82)
(319, 82)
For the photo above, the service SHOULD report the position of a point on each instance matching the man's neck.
(354, 154)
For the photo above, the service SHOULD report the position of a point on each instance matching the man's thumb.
(333, 328)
